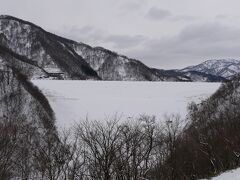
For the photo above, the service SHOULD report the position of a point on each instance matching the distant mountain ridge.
(226, 68)
(44, 55)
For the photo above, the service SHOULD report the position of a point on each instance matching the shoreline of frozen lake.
(72, 100)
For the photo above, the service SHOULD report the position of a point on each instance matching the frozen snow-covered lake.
(74, 100)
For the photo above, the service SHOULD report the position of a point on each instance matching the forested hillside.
(28, 138)
(209, 143)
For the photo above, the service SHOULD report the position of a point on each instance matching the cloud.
(158, 14)
(195, 43)
(131, 6)
(85, 33)
(96, 37)
(125, 41)
(85, 29)
(221, 16)
(209, 33)
(184, 18)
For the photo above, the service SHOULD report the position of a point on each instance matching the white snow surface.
(73, 101)
(229, 175)
(220, 67)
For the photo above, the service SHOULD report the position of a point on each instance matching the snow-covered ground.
(74, 100)
(229, 175)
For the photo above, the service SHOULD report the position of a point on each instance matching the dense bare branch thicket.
(91, 150)
(116, 150)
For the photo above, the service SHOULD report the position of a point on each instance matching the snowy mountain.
(111, 66)
(223, 67)
(47, 52)
(41, 54)
(59, 58)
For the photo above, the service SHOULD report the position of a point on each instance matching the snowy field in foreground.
(72, 101)
(229, 175)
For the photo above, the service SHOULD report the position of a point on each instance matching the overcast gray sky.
(160, 33)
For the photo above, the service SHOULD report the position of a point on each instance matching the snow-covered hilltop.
(223, 67)
(54, 57)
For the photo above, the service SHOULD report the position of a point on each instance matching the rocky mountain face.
(111, 66)
(55, 57)
(40, 54)
(19, 99)
(225, 68)
(46, 51)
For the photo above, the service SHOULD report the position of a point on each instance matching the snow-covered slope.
(229, 175)
(223, 67)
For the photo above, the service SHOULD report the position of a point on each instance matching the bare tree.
(101, 142)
